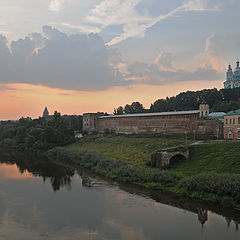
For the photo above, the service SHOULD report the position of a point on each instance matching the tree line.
(222, 100)
(39, 134)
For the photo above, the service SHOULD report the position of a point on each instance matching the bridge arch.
(177, 158)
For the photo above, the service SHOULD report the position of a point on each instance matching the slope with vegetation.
(211, 173)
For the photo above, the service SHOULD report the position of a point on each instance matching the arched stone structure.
(163, 158)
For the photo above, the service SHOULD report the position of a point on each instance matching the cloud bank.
(55, 59)
(134, 25)
(154, 74)
(84, 62)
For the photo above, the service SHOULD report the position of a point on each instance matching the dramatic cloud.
(161, 72)
(83, 62)
(123, 12)
(223, 46)
(58, 60)
(164, 61)
(219, 52)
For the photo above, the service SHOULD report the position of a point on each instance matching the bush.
(225, 185)
(115, 169)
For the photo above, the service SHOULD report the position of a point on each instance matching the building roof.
(217, 114)
(152, 114)
(232, 113)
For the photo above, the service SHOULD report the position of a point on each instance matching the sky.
(77, 56)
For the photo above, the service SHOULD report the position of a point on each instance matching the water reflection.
(38, 166)
(94, 209)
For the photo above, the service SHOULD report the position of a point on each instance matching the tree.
(137, 107)
(118, 111)
(128, 109)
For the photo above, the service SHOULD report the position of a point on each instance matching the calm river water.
(41, 200)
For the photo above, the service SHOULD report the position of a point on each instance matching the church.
(232, 78)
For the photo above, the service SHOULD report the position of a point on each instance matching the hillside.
(135, 150)
(222, 157)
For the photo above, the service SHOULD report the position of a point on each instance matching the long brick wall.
(178, 124)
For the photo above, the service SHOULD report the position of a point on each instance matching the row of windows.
(232, 121)
(230, 133)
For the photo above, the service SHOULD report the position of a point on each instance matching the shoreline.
(165, 180)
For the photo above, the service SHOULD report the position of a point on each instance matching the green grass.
(135, 150)
(215, 157)
(208, 174)
(222, 157)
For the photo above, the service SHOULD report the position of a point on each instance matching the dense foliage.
(135, 107)
(114, 169)
(223, 100)
(226, 186)
(39, 134)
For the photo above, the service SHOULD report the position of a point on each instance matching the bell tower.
(45, 113)
(203, 110)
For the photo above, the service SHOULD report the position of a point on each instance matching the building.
(232, 78)
(45, 113)
(232, 125)
(181, 122)
(90, 121)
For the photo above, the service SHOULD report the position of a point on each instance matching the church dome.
(237, 69)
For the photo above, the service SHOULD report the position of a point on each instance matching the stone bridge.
(165, 157)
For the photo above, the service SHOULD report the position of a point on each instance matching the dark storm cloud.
(57, 60)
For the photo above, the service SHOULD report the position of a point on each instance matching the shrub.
(115, 169)
(224, 185)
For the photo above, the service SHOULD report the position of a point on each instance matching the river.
(43, 200)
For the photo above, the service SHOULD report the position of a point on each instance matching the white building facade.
(232, 78)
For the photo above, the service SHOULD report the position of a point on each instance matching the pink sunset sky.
(88, 56)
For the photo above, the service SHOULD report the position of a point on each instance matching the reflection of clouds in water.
(37, 228)
(127, 232)
(30, 210)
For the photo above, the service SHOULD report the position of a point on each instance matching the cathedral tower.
(45, 113)
(232, 78)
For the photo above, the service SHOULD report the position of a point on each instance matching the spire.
(229, 67)
(45, 112)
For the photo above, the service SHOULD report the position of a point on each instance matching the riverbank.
(123, 158)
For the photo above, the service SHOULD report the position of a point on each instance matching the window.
(239, 120)
(230, 121)
(226, 121)
(234, 121)
(238, 134)
(230, 132)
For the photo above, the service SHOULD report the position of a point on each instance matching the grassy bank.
(132, 149)
(211, 173)
(221, 157)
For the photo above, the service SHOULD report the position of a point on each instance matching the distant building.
(232, 125)
(232, 78)
(202, 215)
(45, 113)
(90, 121)
(181, 122)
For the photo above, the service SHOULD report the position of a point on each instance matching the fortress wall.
(178, 124)
(167, 124)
